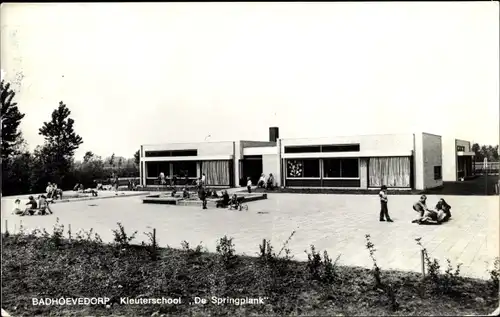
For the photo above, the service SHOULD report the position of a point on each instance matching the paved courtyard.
(336, 223)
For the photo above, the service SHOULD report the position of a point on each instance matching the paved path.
(336, 223)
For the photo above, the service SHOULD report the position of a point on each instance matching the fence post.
(263, 247)
(6, 227)
(423, 262)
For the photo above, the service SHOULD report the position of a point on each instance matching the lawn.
(63, 264)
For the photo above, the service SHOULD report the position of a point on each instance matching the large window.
(341, 168)
(303, 168)
(389, 171)
(171, 153)
(184, 168)
(327, 148)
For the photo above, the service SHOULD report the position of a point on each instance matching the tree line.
(485, 151)
(54, 160)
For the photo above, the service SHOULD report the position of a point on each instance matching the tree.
(476, 148)
(16, 175)
(112, 160)
(10, 118)
(55, 157)
(59, 133)
(137, 157)
(88, 156)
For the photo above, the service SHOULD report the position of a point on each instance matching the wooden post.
(423, 262)
(6, 227)
(263, 247)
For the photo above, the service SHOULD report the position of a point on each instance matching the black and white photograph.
(250, 159)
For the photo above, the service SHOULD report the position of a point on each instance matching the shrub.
(121, 238)
(225, 249)
(442, 283)
(330, 270)
(57, 234)
(376, 270)
(494, 275)
(314, 263)
(198, 250)
(153, 245)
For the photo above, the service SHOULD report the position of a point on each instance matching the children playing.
(431, 217)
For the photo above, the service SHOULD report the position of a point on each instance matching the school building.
(399, 161)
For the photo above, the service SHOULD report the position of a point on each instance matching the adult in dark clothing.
(202, 194)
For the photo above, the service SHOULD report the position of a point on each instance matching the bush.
(494, 276)
(314, 264)
(376, 270)
(225, 249)
(441, 283)
(121, 238)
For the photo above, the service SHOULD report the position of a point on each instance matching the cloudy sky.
(176, 72)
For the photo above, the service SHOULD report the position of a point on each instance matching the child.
(17, 208)
(44, 205)
(262, 181)
(384, 212)
(249, 184)
(234, 203)
(443, 206)
(32, 206)
(224, 202)
(270, 182)
(185, 193)
(426, 215)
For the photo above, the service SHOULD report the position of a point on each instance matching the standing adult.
(202, 194)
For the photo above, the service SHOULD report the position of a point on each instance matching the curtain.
(389, 171)
(216, 172)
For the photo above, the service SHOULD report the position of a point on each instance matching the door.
(251, 167)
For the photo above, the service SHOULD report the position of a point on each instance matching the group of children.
(53, 192)
(34, 207)
(262, 183)
(441, 213)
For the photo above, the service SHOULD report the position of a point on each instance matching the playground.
(336, 223)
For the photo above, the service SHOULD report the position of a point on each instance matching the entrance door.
(251, 167)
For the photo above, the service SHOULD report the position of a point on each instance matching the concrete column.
(278, 162)
(363, 173)
(236, 162)
(198, 169)
(418, 163)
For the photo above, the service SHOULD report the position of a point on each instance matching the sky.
(147, 73)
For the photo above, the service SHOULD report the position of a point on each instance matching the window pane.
(350, 168)
(181, 169)
(331, 167)
(294, 168)
(311, 168)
